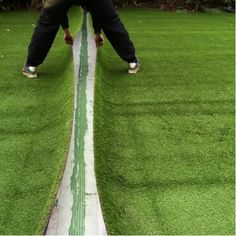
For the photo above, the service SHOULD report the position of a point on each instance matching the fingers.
(69, 40)
(99, 44)
(99, 40)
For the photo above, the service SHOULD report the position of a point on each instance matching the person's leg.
(104, 11)
(41, 42)
(119, 39)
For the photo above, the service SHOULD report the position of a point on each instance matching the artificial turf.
(35, 124)
(164, 138)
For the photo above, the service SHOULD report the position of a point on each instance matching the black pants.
(41, 43)
(103, 12)
(119, 39)
(104, 15)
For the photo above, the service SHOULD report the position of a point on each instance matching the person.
(104, 18)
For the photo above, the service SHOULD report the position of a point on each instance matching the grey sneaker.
(29, 71)
(134, 67)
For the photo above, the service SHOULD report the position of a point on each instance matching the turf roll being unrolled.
(164, 138)
(35, 125)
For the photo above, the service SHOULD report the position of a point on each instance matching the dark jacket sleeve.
(65, 22)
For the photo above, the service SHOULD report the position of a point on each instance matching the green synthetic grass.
(164, 138)
(35, 124)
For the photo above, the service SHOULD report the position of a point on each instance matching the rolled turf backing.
(35, 125)
(164, 138)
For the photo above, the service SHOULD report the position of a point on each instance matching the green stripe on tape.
(77, 226)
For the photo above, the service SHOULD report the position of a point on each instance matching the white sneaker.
(134, 67)
(29, 71)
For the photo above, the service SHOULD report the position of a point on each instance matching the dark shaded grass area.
(35, 124)
(164, 138)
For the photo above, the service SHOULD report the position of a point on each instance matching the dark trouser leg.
(105, 14)
(41, 43)
(119, 39)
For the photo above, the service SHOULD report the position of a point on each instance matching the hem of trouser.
(30, 64)
(133, 60)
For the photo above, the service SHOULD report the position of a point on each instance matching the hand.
(68, 37)
(99, 40)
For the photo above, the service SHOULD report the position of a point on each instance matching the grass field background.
(164, 138)
(35, 123)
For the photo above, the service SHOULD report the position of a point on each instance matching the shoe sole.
(133, 71)
(28, 75)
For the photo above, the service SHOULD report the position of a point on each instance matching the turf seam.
(78, 197)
